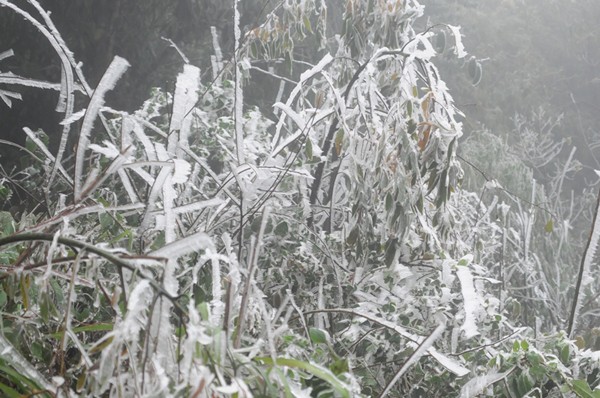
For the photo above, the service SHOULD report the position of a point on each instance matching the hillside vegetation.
(324, 239)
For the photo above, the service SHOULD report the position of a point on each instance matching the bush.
(320, 245)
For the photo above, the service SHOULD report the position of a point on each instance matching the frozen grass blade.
(114, 72)
(186, 96)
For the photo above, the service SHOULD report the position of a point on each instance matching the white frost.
(476, 385)
(471, 301)
(109, 80)
(187, 245)
(459, 49)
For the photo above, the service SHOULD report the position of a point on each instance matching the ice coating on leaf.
(138, 298)
(459, 48)
(477, 385)
(11, 78)
(109, 150)
(193, 243)
(13, 358)
(34, 137)
(74, 117)
(7, 95)
(181, 172)
(422, 47)
(470, 299)
(186, 96)
(6, 54)
(114, 72)
(449, 363)
(326, 60)
(169, 194)
(149, 148)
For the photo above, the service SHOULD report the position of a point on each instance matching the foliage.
(322, 247)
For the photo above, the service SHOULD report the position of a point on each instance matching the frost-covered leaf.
(478, 384)
(7, 95)
(109, 150)
(459, 48)
(471, 302)
(318, 336)
(74, 117)
(181, 172)
(193, 243)
(6, 54)
(116, 69)
(184, 100)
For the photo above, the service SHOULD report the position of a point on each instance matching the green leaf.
(534, 359)
(203, 309)
(524, 384)
(307, 24)
(5, 193)
(318, 336)
(389, 202)
(339, 366)
(352, 236)
(516, 346)
(96, 327)
(281, 229)
(9, 392)
(549, 226)
(106, 221)
(525, 345)
(308, 149)
(37, 350)
(339, 140)
(15, 378)
(390, 252)
(582, 389)
(316, 370)
(80, 382)
(3, 298)
(7, 223)
(565, 352)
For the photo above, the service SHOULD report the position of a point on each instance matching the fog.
(540, 65)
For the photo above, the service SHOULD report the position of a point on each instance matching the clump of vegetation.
(317, 244)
